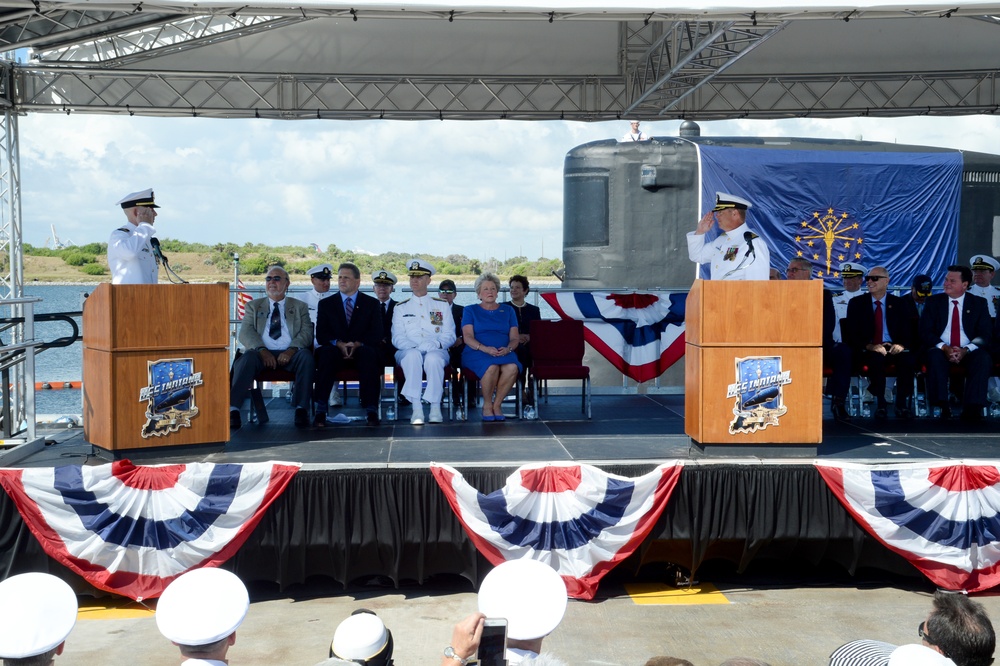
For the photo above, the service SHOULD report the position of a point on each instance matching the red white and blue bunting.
(578, 519)
(943, 518)
(640, 334)
(131, 530)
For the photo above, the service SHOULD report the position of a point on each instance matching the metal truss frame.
(289, 96)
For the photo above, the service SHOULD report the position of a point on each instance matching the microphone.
(154, 242)
(748, 236)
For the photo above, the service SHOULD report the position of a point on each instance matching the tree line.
(297, 260)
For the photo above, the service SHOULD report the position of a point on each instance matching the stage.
(365, 506)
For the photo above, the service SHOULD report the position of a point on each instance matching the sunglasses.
(274, 278)
(874, 278)
(446, 291)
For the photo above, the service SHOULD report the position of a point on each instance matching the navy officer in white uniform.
(737, 253)
(130, 253)
(422, 332)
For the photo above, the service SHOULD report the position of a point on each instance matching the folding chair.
(471, 378)
(557, 349)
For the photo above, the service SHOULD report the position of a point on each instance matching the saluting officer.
(737, 253)
(422, 331)
(130, 251)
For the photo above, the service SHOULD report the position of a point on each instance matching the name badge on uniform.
(731, 253)
(437, 317)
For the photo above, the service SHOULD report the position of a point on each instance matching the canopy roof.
(525, 60)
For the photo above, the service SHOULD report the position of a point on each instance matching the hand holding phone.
(493, 645)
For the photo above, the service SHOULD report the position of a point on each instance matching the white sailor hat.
(362, 637)
(984, 262)
(918, 655)
(40, 611)
(850, 269)
(528, 593)
(416, 267)
(202, 606)
(383, 277)
(140, 198)
(724, 201)
(321, 271)
(862, 652)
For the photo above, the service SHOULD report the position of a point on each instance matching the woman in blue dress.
(490, 333)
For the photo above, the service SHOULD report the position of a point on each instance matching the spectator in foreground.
(200, 611)
(39, 613)
(362, 638)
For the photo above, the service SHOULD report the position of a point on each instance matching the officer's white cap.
(321, 270)
(918, 655)
(202, 606)
(361, 636)
(984, 262)
(419, 267)
(851, 269)
(529, 594)
(724, 201)
(140, 198)
(39, 612)
(384, 277)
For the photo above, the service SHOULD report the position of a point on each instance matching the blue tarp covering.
(898, 210)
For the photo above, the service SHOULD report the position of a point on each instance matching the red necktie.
(956, 326)
(877, 338)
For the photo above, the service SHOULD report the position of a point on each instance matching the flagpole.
(236, 296)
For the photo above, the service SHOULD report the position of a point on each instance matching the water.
(65, 364)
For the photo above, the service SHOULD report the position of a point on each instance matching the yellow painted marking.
(658, 594)
(114, 609)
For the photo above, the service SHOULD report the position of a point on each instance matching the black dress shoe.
(881, 413)
(301, 418)
(839, 411)
(235, 422)
(319, 421)
(372, 418)
(945, 413)
(904, 413)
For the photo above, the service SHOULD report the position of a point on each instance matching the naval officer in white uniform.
(422, 332)
(853, 276)
(735, 254)
(983, 268)
(130, 252)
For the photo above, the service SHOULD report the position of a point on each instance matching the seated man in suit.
(882, 329)
(276, 333)
(383, 284)
(956, 329)
(349, 332)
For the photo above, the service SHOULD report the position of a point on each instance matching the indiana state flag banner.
(131, 530)
(943, 518)
(893, 209)
(640, 334)
(579, 520)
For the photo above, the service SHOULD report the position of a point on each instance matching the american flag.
(242, 298)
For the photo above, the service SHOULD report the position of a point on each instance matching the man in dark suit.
(956, 329)
(383, 284)
(882, 330)
(276, 333)
(349, 332)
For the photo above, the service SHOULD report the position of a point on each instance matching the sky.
(479, 188)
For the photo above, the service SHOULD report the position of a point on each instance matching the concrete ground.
(784, 624)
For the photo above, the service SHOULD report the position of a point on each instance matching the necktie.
(275, 328)
(349, 309)
(385, 309)
(956, 326)
(879, 335)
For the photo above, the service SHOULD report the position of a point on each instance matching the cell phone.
(493, 644)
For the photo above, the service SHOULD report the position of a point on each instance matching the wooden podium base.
(709, 413)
